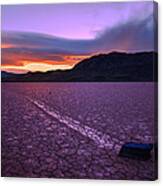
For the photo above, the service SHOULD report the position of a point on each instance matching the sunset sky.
(46, 37)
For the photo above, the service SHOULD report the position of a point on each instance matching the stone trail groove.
(102, 140)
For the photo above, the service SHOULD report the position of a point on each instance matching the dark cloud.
(131, 36)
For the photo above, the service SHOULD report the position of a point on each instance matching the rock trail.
(101, 139)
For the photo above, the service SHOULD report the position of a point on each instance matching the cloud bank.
(23, 47)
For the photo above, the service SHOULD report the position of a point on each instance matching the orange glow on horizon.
(33, 65)
(42, 67)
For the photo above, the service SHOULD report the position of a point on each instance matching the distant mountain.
(7, 74)
(112, 67)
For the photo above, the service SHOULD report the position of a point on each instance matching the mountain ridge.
(112, 67)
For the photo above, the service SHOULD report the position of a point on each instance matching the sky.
(42, 37)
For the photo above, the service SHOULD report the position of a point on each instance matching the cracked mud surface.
(75, 130)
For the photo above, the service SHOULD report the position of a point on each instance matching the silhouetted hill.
(113, 67)
(6, 74)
